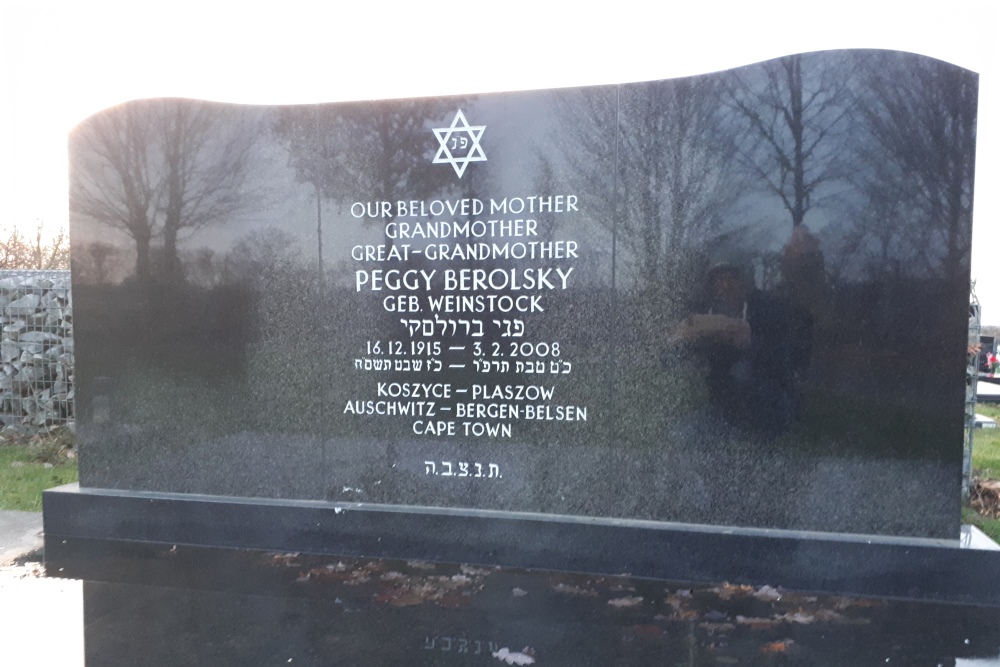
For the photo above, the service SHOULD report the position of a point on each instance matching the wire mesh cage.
(36, 350)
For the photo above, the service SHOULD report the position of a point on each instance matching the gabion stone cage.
(36, 350)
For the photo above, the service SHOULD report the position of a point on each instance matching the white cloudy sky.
(60, 62)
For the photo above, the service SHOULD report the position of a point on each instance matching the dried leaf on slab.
(574, 590)
(757, 623)
(797, 617)
(628, 601)
(421, 565)
(767, 593)
(407, 600)
(285, 560)
(729, 591)
(777, 647)
(716, 627)
(843, 603)
(514, 657)
(677, 602)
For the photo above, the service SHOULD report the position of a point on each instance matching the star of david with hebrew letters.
(459, 144)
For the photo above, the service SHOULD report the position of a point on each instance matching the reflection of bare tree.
(377, 151)
(675, 150)
(796, 107)
(545, 182)
(200, 267)
(259, 256)
(94, 262)
(160, 169)
(921, 122)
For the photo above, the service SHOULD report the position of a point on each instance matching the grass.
(29, 465)
(985, 465)
(986, 445)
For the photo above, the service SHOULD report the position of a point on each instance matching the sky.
(60, 62)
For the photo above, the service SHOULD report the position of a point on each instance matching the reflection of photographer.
(752, 344)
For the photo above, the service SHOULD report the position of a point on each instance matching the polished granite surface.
(737, 299)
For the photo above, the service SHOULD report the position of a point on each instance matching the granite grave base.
(88, 528)
(155, 604)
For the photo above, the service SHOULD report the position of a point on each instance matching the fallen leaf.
(676, 601)
(625, 602)
(728, 591)
(513, 658)
(863, 603)
(288, 560)
(767, 593)
(406, 600)
(574, 590)
(777, 647)
(717, 627)
(420, 565)
(797, 617)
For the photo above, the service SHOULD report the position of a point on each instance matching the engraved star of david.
(460, 135)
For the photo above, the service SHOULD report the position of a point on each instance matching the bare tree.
(160, 169)
(796, 108)
(14, 251)
(43, 252)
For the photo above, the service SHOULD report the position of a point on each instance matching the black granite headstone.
(736, 299)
